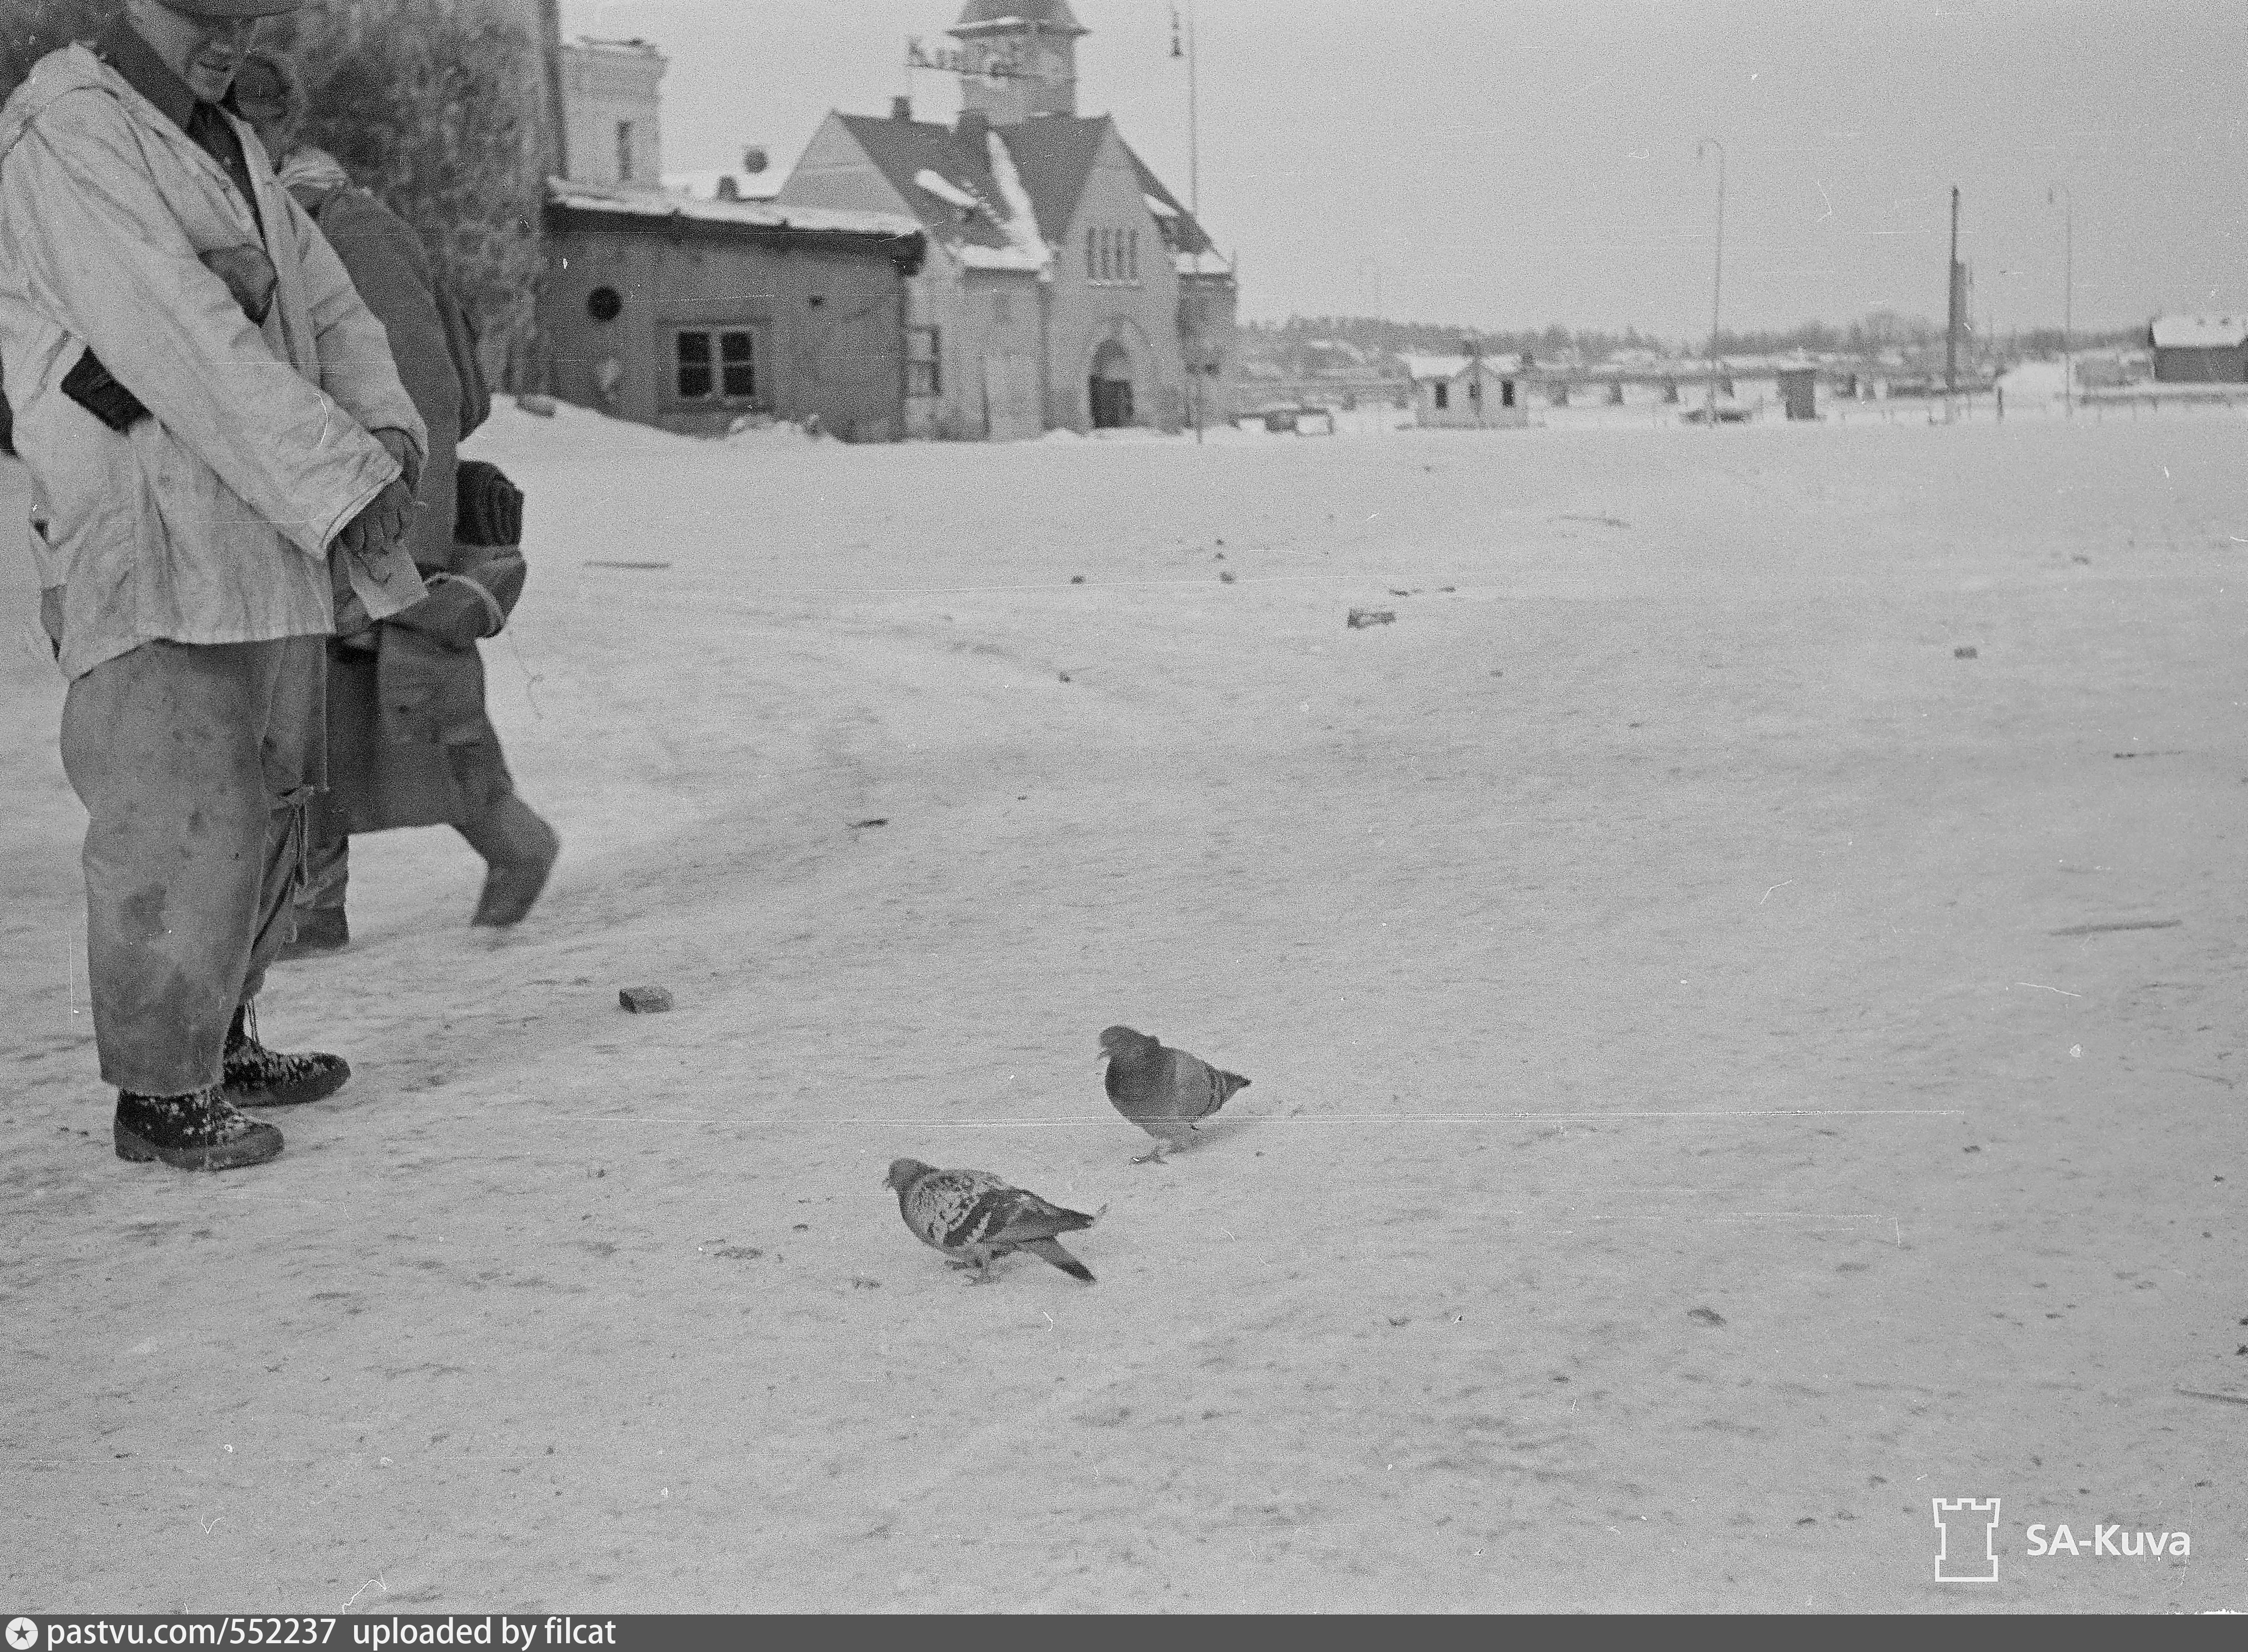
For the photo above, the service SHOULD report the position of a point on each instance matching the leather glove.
(383, 521)
(249, 275)
(401, 448)
(455, 613)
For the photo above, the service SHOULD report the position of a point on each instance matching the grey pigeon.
(1167, 1092)
(975, 1218)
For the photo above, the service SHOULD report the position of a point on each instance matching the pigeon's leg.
(1155, 1154)
(981, 1258)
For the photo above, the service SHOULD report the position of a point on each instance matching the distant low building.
(2200, 349)
(690, 312)
(1468, 393)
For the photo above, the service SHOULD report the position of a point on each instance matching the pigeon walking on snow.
(1165, 1092)
(975, 1218)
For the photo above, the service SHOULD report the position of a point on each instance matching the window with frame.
(924, 362)
(715, 363)
(623, 151)
(1443, 397)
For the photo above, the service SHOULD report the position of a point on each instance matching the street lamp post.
(2067, 294)
(1717, 280)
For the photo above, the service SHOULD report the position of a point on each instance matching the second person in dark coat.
(409, 743)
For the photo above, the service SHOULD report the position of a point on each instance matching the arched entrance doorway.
(1110, 386)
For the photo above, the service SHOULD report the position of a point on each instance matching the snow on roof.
(747, 186)
(972, 256)
(636, 46)
(1420, 366)
(626, 202)
(1193, 263)
(944, 189)
(980, 15)
(1022, 224)
(2200, 332)
(1161, 209)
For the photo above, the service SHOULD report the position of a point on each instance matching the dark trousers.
(195, 763)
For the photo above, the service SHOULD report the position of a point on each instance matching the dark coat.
(394, 709)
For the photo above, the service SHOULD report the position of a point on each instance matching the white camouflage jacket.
(208, 522)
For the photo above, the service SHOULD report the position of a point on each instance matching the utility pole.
(1952, 320)
(1717, 281)
(2067, 297)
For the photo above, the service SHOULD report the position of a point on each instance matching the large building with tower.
(1065, 286)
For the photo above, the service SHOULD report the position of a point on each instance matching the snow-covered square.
(1741, 981)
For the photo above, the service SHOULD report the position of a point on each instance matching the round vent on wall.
(604, 303)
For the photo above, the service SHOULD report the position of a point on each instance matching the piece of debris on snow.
(1968, 653)
(861, 826)
(1707, 1316)
(1362, 617)
(644, 1000)
(1225, 576)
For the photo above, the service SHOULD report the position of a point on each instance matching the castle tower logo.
(1966, 1543)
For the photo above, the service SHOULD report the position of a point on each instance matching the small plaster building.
(2200, 349)
(690, 312)
(1468, 393)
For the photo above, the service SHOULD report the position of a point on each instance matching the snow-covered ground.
(1742, 980)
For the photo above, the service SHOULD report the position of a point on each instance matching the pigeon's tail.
(1047, 1250)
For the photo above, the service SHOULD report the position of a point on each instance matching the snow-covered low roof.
(747, 186)
(624, 201)
(1438, 366)
(2200, 332)
(1161, 209)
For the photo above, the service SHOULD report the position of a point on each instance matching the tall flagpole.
(1193, 129)
(1193, 174)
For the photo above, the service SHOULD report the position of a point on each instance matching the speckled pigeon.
(1165, 1092)
(975, 1218)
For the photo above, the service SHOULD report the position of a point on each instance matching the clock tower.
(1018, 58)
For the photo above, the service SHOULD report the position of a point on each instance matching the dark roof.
(978, 17)
(1192, 237)
(903, 149)
(1053, 155)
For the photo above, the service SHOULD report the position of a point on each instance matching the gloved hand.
(249, 275)
(454, 613)
(384, 521)
(401, 448)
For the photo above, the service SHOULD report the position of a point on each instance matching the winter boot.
(257, 1077)
(319, 929)
(198, 1131)
(521, 849)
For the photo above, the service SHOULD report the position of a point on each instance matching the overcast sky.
(1510, 163)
